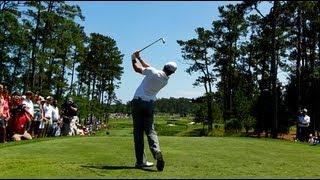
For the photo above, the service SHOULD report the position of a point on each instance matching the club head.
(163, 41)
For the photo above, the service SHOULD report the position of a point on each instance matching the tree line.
(173, 106)
(242, 54)
(44, 49)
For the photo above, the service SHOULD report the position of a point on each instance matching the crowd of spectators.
(30, 115)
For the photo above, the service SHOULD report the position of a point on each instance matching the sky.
(135, 24)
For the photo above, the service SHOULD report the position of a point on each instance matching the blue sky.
(135, 24)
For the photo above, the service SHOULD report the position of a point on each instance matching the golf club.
(152, 44)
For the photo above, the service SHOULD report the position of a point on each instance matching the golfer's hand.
(137, 54)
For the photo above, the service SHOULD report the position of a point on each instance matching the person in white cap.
(304, 121)
(143, 109)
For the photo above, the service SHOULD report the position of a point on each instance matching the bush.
(249, 123)
(218, 131)
(233, 125)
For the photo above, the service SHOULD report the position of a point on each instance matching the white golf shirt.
(48, 111)
(29, 106)
(152, 83)
(55, 114)
(304, 121)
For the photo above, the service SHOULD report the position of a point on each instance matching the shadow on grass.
(108, 167)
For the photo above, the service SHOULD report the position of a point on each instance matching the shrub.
(249, 123)
(233, 125)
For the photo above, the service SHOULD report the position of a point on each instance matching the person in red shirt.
(19, 120)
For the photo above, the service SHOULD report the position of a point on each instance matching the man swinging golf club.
(143, 109)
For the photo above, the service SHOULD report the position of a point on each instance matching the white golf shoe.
(144, 165)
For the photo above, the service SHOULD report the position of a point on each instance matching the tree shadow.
(110, 167)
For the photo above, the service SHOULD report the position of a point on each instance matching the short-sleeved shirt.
(29, 106)
(152, 83)
(55, 114)
(48, 111)
(37, 112)
(1, 105)
(20, 122)
(304, 121)
(5, 108)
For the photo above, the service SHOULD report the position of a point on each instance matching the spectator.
(38, 115)
(20, 118)
(31, 116)
(55, 119)
(70, 118)
(297, 125)
(42, 126)
(4, 113)
(27, 101)
(313, 140)
(304, 121)
(48, 111)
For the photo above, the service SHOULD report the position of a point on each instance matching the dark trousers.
(36, 129)
(304, 134)
(142, 114)
(297, 132)
(45, 132)
(3, 132)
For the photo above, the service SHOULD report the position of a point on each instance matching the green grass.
(186, 157)
(112, 156)
(179, 126)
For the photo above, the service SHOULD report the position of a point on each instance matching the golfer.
(143, 109)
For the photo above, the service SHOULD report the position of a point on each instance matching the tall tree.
(198, 52)
(274, 68)
(9, 27)
(101, 70)
(228, 31)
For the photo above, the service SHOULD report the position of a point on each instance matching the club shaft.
(150, 45)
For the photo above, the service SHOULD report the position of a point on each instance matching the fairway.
(186, 157)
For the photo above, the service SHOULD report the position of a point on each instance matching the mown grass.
(112, 156)
(164, 125)
(186, 157)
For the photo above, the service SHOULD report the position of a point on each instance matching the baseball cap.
(305, 110)
(171, 66)
(41, 98)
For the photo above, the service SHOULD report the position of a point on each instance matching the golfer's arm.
(143, 63)
(136, 67)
